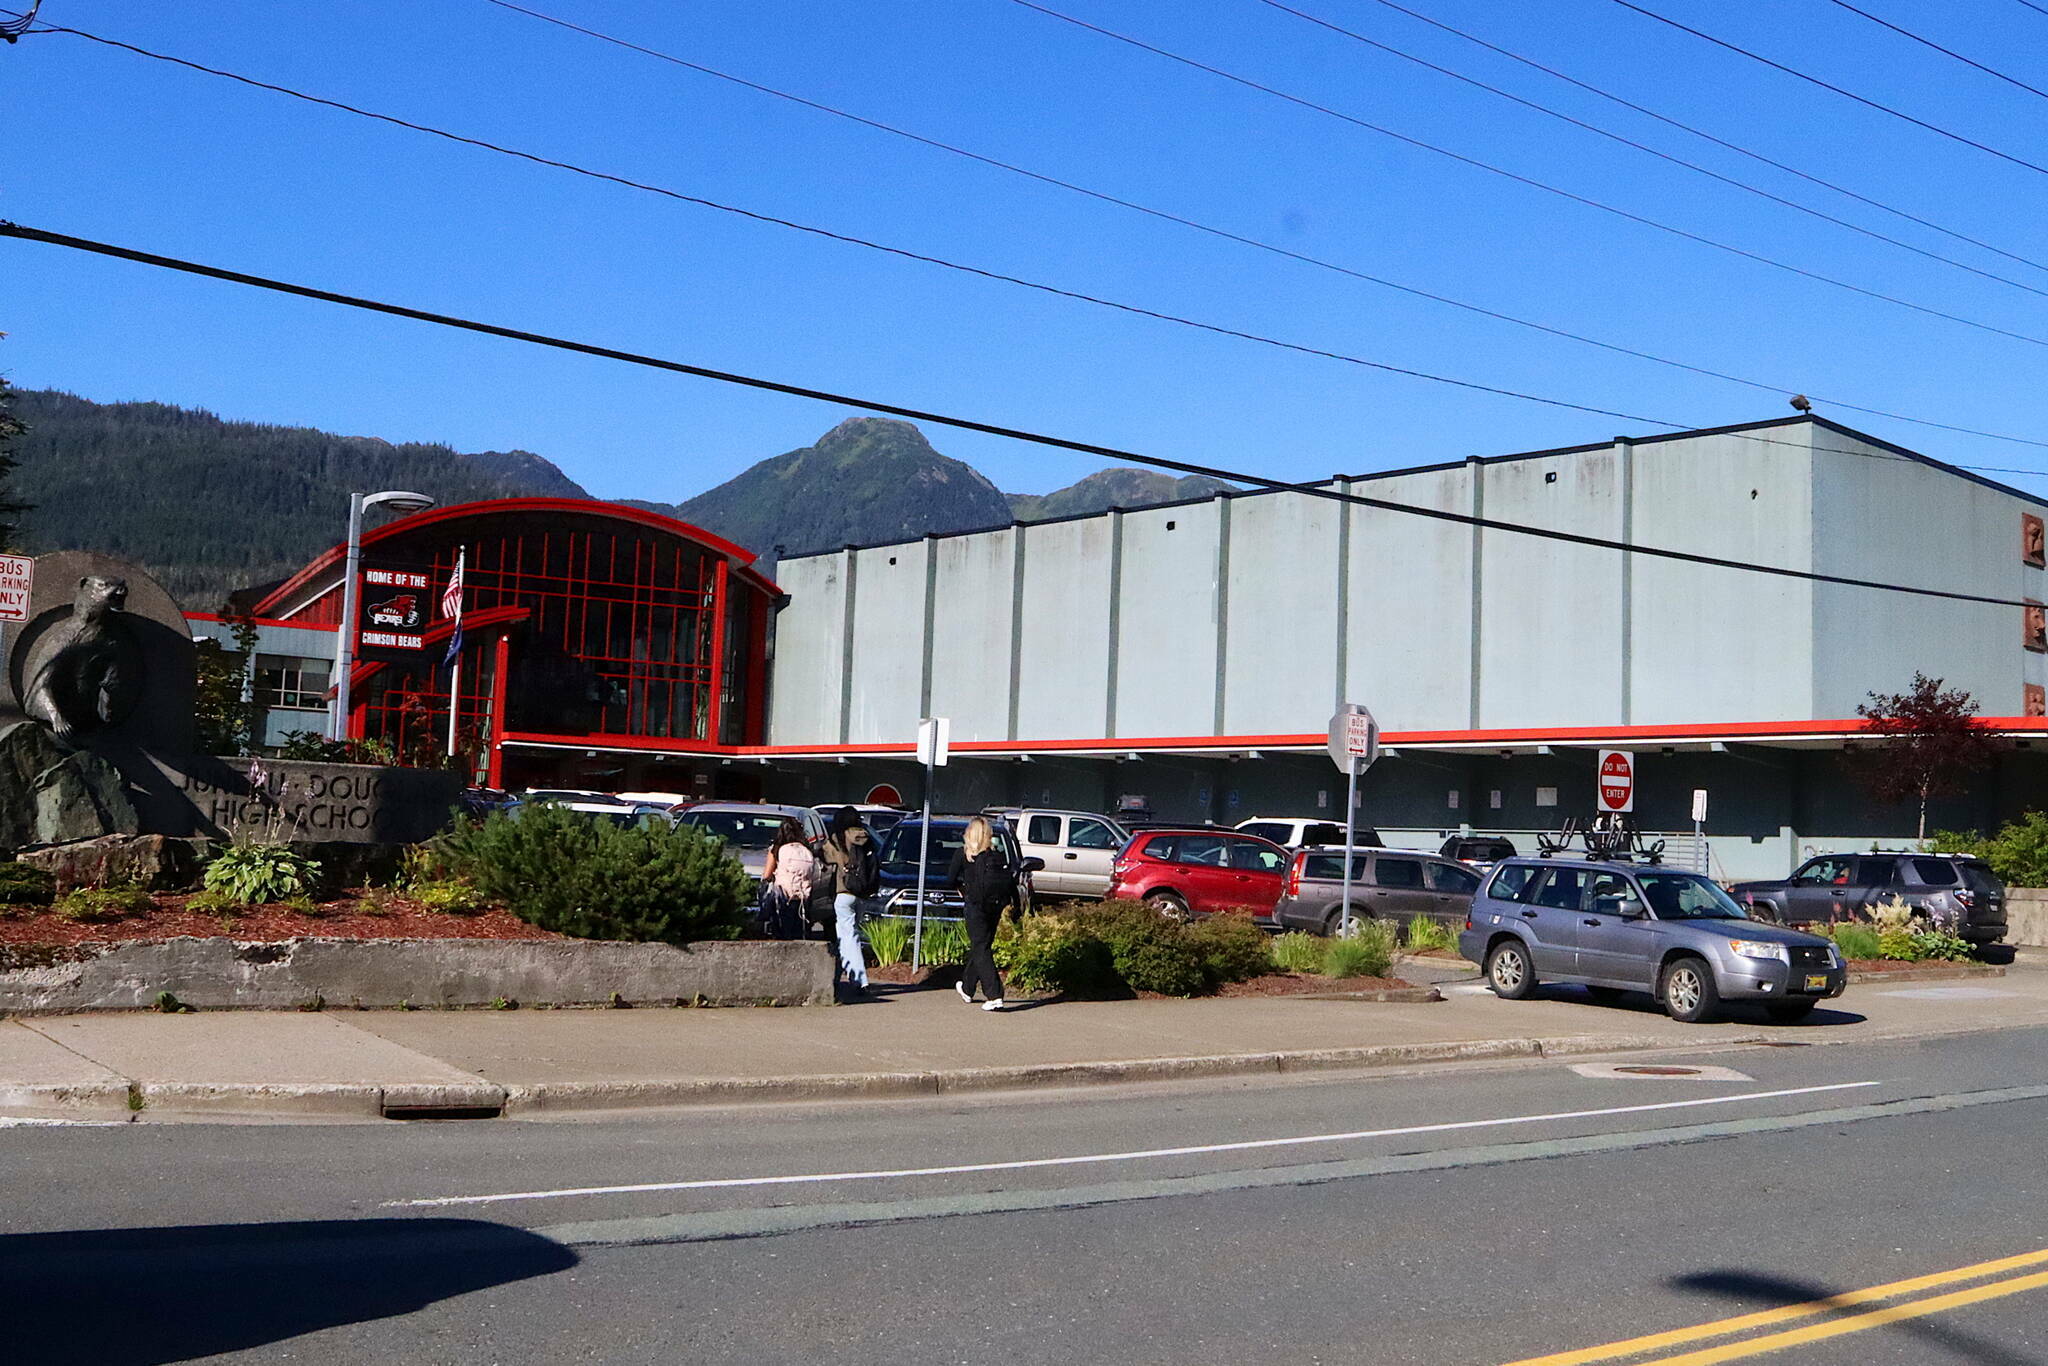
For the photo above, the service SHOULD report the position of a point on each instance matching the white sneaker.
(996, 1004)
(965, 994)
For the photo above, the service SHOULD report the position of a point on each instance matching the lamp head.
(399, 500)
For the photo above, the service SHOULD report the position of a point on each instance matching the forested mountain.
(208, 505)
(1122, 487)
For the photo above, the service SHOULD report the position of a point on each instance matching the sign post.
(17, 581)
(934, 735)
(1354, 745)
(1616, 785)
(1699, 830)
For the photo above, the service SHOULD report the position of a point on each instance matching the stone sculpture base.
(50, 795)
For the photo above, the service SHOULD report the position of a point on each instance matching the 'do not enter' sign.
(1617, 780)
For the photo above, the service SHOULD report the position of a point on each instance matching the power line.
(16, 230)
(1737, 148)
(2034, 7)
(1946, 52)
(1240, 238)
(1604, 207)
(1934, 128)
(1648, 150)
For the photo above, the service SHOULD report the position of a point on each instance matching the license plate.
(1816, 981)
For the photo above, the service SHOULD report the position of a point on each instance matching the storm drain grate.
(1646, 1070)
(1780, 1043)
(443, 1111)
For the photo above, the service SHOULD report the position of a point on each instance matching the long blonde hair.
(980, 835)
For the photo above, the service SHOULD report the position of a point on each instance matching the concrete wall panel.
(809, 644)
(1062, 684)
(971, 620)
(888, 643)
(1166, 622)
(1281, 671)
(1408, 643)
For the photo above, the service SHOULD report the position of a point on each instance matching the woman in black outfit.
(987, 883)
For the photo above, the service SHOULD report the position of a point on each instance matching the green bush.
(23, 884)
(1298, 951)
(889, 938)
(1425, 933)
(256, 874)
(1231, 948)
(213, 903)
(1053, 952)
(1942, 946)
(448, 896)
(945, 943)
(1858, 941)
(594, 880)
(1368, 951)
(1149, 952)
(1899, 945)
(94, 906)
(2018, 853)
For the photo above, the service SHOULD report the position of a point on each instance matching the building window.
(292, 682)
(2033, 541)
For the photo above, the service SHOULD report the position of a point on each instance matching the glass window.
(1328, 867)
(1935, 872)
(1688, 896)
(1207, 850)
(1271, 830)
(1256, 858)
(1609, 890)
(899, 847)
(1322, 832)
(740, 829)
(1446, 877)
(1043, 830)
(1091, 835)
(292, 682)
(1161, 847)
(1397, 872)
(1513, 881)
(1563, 889)
(1824, 872)
(1877, 872)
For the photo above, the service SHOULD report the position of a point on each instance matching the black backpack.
(862, 874)
(989, 880)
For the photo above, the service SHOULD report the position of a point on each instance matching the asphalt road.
(1517, 1213)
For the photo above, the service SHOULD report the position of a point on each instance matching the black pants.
(980, 968)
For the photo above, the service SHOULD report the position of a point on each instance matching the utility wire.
(2034, 7)
(1934, 128)
(25, 233)
(1277, 93)
(1946, 52)
(1239, 238)
(1737, 148)
(1625, 141)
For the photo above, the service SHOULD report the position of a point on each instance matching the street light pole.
(345, 639)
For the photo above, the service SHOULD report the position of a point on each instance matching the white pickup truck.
(1077, 847)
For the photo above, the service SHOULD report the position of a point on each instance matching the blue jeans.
(852, 954)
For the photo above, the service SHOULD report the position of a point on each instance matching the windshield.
(1688, 896)
(740, 829)
(899, 847)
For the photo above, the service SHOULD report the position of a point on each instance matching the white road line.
(23, 1122)
(1192, 1151)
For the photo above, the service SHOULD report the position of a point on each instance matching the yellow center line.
(1743, 1323)
(1857, 1323)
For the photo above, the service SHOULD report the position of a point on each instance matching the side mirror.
(1031, 865)
(1632, 908)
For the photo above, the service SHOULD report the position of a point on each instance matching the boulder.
(155, 862)
(51, 795)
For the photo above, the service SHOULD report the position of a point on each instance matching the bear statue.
(85, 673)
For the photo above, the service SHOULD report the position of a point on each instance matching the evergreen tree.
(11, 428)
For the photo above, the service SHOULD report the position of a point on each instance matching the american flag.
(451, 597)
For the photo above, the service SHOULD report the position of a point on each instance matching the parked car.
(1951, 889)
(1195, 871)
(1298, 832)
(620, 814)
(568, 794)
(1481, 851)
(478, 802)
(1613, 927)
(748, 828)
(1076, 848)
(897, 857)
(876, 818)
(1386, 884)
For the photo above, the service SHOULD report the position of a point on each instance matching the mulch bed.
(1899, 965)
(344, 919)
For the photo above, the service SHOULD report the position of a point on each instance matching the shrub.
(1425, 933)
(1053, 952)
(213, 903)
(447, 897)
(1231, 948)
(304, 905)
(594, 880)
(94, 906)
(1148, 951)
(1858, 941)
(255, 874)
(23, 884)
(945, 942)
(1298, 952)
(2018, 853)
(1368, 951)
(1941, 945)
(889, 937)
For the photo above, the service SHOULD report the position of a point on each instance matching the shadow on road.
(150, 1295)
(1757, 1291)
(1642, 1003)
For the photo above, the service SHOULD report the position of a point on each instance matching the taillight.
(1294, 877)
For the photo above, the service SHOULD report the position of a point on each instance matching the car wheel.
(1789, 1012)
(1689, 992)
(1170, 906)
(1335, 920)
(1509, 971)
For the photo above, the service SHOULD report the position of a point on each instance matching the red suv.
(1195, 872)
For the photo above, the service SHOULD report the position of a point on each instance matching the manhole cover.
(1655, 1071)
(1780, 1043)
(1647, 1071)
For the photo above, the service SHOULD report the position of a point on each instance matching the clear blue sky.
(104, 144)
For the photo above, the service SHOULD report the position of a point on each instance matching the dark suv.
(1386, 884)
(1950, 889)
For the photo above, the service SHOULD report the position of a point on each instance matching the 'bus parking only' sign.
(1617, 780)
(17, 580)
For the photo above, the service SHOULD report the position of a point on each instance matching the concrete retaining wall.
(2026, 915)
(222, 974)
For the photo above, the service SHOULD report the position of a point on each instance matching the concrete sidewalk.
(905, 1043)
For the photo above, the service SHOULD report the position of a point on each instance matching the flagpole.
(455, 673)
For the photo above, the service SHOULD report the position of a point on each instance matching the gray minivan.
(1386, 884)
(1614, 927)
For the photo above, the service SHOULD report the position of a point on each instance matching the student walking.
(849, 855)
(786, 883)
(988, 882)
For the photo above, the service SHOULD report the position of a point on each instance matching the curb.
(98, 1097)
(1944, 972)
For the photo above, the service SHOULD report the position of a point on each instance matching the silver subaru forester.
(1614, 927)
